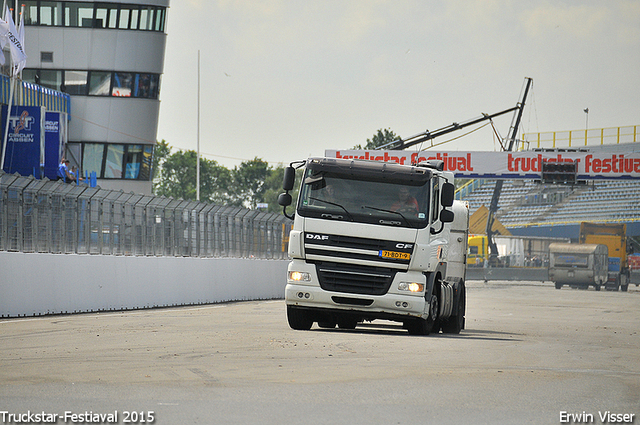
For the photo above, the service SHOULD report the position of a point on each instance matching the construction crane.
(493, 206)
(427, 135)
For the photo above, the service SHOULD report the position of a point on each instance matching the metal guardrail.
(583, 138)
(53, 217)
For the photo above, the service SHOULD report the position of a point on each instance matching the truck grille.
(354, 279)
(386, 253)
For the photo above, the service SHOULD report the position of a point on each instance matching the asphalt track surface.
(530, 354)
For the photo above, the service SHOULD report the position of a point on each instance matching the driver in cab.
(405, 203)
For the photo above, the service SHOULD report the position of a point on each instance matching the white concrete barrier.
(38, 284)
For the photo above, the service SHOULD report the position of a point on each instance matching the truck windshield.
(571, 260)
(333, 196)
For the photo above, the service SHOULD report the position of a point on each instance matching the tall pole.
(586, 123)
(198, 137)
(5, 140)
(586, 126)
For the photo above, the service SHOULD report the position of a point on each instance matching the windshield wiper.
(334, 204)
(390, 212)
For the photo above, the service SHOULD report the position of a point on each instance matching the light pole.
(586, 125)
(586, 111)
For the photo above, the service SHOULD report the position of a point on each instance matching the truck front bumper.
(389, 306)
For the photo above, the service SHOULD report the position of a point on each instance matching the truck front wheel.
(298, 319)
(425, 326)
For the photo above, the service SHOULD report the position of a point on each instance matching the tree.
(160, 153)
(247, 185)
(249, 182)
(381, 138)
(177, 178)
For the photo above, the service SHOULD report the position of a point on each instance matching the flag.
(17, 48)
(20, 65)
(4, 32)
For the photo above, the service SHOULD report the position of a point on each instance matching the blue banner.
(25, 140)
(53, 143)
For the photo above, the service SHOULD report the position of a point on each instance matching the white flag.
(17, 49)
(19, 66)
(4, 33)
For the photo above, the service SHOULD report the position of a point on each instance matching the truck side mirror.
(448, 194)
(288, 180)
(284, 199)
(446, 216)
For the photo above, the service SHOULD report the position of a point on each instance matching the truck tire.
(298, 319)
(425, 326)
(624, 282)
(347, 323)
(455, 323)
(558, 285)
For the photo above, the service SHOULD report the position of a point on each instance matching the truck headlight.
(299, 276)
(411, 287)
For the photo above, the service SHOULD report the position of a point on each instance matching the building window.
(46, 56)
(113, 160)
(30, 12)
(100, 83)
(78, 14)
(51, 13)
(75, 82)
(92, 156)
(52, 79)
(94, 15)
(135, 18)
(112, 17)
(96, 83)
(122, 84)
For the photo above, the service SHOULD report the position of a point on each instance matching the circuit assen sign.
(510, 165)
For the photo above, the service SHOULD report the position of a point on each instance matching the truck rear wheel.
(624, 282)
(455, 323)
(298, 319)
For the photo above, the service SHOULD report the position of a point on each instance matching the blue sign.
(53, 143)
(25, 140)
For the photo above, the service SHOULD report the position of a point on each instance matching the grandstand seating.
(523, 203)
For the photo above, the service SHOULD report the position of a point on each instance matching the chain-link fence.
(53, 217)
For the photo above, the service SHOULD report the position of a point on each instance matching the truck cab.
(374, 240)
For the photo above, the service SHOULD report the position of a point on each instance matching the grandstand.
(530, 208)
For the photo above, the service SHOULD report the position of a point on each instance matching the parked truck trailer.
(578, 265)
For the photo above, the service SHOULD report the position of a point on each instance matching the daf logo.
(404, 245)
(317, 237)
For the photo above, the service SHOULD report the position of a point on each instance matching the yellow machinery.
(478, 250)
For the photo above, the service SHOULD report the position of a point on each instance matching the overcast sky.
(286, 79)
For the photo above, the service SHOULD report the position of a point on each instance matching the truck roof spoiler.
(436, 164)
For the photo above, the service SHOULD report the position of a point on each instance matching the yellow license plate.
(395, 255)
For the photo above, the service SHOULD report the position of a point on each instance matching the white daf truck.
(375, 240)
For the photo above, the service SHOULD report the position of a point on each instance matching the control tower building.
(109, 57)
